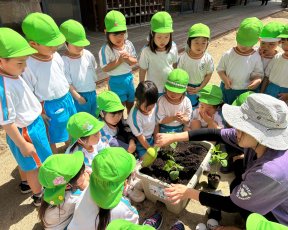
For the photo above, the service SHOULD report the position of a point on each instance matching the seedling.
(173, 169)
(217, 158)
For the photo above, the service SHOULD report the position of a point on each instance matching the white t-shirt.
(277, 70)
(81, 72)
(196, 68)
(217, 118)
(142, 124)
(86, 212)
(59, 218)
(106, 55)
(241, 68)
(166, 109)
(158, 65)
(46, 79)
(18, 104)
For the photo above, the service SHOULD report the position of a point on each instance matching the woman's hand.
(177, 192)
(163, 139)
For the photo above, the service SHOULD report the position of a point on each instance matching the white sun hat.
(263, 117)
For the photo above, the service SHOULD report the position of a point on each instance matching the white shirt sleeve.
(67, 69)
(131, 49)
(105, 56)
(269, 67)
(223, 62)
(175, 52)
(258, 68)
(30, 79)
(94, 64)
(188, 107)
(209, 64)
(161, 112)
(135, 122)
(143, 60)
(7, 108)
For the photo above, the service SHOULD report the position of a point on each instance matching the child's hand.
(46, 119)
(283, 96)
(254, 84)
(190, 90)
(27, 149)
(195, 90)
(132, 146)
(207, 117)
(81, 100)
(228, 83)
(179, 116)
(124, 56)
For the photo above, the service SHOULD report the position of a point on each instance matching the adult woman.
(260, 129)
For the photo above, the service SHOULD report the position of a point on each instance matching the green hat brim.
(163, 30)
(117, 29)
(24, 52)
(83, 42)
(55, 42)
(175, 89)
(199, 35)
(283, 36)
(209, 100)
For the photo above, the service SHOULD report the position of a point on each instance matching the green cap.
(177, 81)
(56, 172)
(211, 95)
(126, 225)
(284, 33)
(115, 21)
(249, 31)
(257, 222)
(242, 98)
(162, 22)
(109, 102)
(82, 125)
(13, 44)
(110, 169)
(74, 33)
(199, 30)
(41, 28)
(271, 31)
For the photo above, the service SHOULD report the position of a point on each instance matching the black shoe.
(24, 187)
(36, 200)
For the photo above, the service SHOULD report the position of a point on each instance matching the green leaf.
(224, 163)
(223, 155)
(174, 175)
(173, 145)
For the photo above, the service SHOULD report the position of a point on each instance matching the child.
(174, 108)
(196, 61)
(103, 200)
(45, 75)
(277, 70)
(160, 56)
(20, 110)
(241, 68)
(142, 118)
(117, 57)
(84, 130)
(80, 67)
(61, 175)
(207, 115)
(111, 110)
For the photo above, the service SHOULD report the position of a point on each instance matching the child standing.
(45, 75)
(277, 70)
(207, 115)
(235, 78)
(174, 108)
(114, 131)
(117, 56)
(196, 61)
(80, 67)
(160, 56)
(142, 118)
(20, 110)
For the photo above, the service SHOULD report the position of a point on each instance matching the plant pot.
(154, 188)
(213, 180)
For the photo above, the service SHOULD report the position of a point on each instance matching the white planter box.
(154, 188)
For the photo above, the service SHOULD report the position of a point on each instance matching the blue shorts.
(35, 134)
(59, 111)
(274, 90)
(140, 149)
(123, 86)
(230, 95)
(171, 129)
(193, 97)
(90, 105)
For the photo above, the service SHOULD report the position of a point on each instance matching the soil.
(186, 154)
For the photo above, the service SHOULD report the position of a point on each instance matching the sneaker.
(36, 200)
(178, 226)
(136, 195)
(154, 221)
(24, 187)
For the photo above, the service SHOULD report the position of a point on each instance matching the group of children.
(47, 99)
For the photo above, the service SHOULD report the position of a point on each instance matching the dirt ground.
(16, 211)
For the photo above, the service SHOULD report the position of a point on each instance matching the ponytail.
(104, 218)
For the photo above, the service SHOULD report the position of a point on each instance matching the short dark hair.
(147, 92)
(110, 44)
(153, 46)
(189, 40)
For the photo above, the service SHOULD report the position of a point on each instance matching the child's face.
(44, 50)
(117, 39)
(161, 40)
(284, 44)
(83, 181)
(205, 108)
(244, 49)
(93, 139)
(174, 96)
(113, 118)
(199, 45)
(146, 109)
(75, 50)
(13, 66)
(268, 47)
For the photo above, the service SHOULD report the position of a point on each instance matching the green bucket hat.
(41, 28)
(249, 31)
(13, 44)
(110, 169)
(126, 225)
(271, 31)
(82, 125)
(284, 33)
(109, 102)
(74, 33)
(162, 22)
(242, 98)
(56, 172)
(115, 21)
(256, 221)
(211, 95)
(199, 30)
(177, 81)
